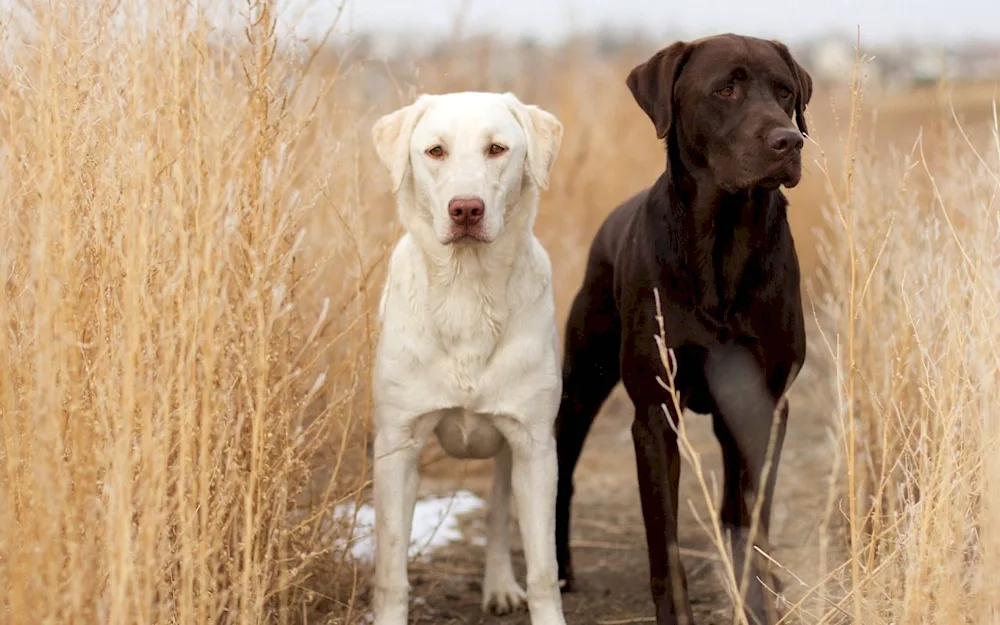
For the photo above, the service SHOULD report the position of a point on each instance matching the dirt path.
(609, 544)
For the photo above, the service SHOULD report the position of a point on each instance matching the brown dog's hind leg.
(590, 372)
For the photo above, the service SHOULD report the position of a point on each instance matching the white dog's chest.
(467, 366)
(464, 367)
(457, 339)
(467, 329)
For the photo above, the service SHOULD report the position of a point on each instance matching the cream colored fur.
(468, 347)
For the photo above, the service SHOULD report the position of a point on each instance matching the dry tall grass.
(191, 242)
(912, 259)
(168, 366)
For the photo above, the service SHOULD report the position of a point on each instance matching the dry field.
(192, 235)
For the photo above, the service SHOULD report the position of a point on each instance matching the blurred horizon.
(552, 21)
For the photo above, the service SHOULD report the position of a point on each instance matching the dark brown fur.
(712, 235)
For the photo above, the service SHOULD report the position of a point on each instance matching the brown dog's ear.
(652, 84)
(804, 90)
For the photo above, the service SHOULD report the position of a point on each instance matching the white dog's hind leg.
(501, 592)
(396, 478)
(534, 478)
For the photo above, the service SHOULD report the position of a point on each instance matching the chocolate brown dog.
(712, 236)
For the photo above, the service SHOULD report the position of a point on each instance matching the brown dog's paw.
(566, 585)
(566, 576)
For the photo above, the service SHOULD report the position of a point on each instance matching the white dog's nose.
(466, 210)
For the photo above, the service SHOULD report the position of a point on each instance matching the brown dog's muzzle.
(784, 141)
(782, 151)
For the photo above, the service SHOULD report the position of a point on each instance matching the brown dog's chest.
(727, 276)
(733, 281)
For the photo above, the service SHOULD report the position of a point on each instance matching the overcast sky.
(880, 20)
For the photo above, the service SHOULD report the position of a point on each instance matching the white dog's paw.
(503, 595)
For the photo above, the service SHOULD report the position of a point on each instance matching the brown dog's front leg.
(658, 464)
(747, 412)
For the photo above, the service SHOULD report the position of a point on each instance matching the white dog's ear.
(391, 136)
(544, 132)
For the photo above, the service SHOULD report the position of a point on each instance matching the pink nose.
(466, 210)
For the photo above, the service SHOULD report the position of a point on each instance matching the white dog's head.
(460, 160)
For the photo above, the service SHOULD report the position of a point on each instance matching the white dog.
(469, 346)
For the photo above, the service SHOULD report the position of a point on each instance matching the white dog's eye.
(435, 152)
(496, 149)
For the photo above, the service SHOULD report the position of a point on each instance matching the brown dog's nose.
(784, 140)
(466, 210)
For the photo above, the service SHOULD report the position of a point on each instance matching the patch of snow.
(435, 524)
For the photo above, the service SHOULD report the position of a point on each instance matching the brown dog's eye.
(496, 149)
(785, 92)
(726, 92)
(436, 152)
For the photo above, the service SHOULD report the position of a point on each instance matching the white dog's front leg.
(396, 478)
(501, 592)
(535, 480)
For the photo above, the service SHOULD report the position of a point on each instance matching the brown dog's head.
(725, 106)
